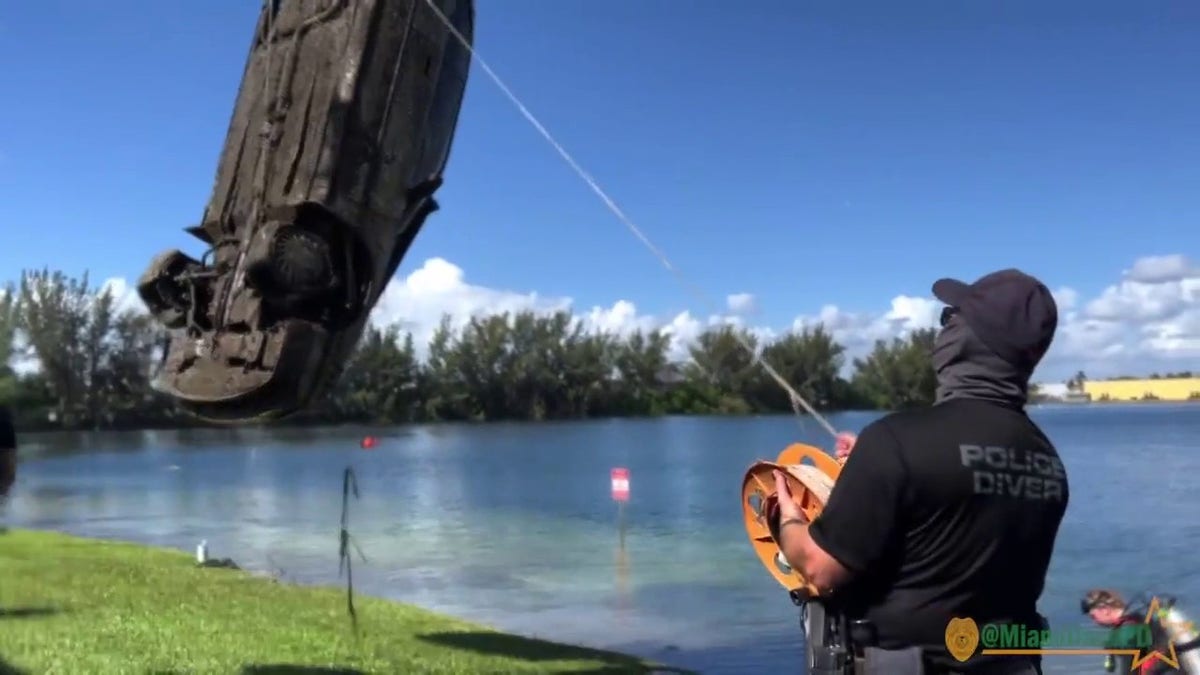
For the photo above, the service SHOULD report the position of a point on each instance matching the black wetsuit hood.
(967, 368)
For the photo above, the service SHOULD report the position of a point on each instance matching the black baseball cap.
(1010, 311)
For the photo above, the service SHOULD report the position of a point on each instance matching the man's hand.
(843, 444)
(798, 547)
(783, 494)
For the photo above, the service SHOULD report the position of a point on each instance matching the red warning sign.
(620, 484)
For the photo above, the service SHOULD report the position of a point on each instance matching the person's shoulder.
(960, 410)
(877, 436)
(895, 423)
(877, 460)
(910, 428)
(876, 428)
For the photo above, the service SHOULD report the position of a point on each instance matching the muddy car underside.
(339, 137)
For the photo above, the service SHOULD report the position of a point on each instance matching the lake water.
(513, 524)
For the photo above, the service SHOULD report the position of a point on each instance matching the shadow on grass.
(286, 669)
(8, 669)
(525, 649)
(26, 612)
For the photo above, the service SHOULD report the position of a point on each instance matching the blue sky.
(808, 153)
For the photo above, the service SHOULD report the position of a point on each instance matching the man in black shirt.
(950, 511)
(8, 452)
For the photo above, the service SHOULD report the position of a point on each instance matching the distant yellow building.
(1164, 389)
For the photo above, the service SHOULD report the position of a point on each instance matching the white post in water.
(202, 552)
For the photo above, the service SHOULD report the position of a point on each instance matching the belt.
(1008, 666)
(919, 661)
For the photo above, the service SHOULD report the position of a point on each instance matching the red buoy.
(367, 442)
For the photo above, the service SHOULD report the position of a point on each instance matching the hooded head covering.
(967, 368)
(995, 333)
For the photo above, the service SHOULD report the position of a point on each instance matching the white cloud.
(858, 331)
(125, 296)
(742, 303)
(1148, 320)
(1159, 268)
(418, 302)
(1066, 298)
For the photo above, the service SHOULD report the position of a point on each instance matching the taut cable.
(797, 400)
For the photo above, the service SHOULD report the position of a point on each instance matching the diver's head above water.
(1105, 606)
(994, 333)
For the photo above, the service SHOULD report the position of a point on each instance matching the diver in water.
(1107, 608)
(8, 452)
(950, 511)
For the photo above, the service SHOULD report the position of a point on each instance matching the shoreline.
(83, 604)
(189, 425)
(1112, 403)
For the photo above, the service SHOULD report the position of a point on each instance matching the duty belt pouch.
(908, 661)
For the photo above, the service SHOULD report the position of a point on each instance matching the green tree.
(810, 361)
(722, 373)
(445, 396)
(380, 382)
(55, 320)
(1076, 382)
(898, 375)
(642, 367)
(482, 359)
(9, 318)
(94, 362)
(134, 348)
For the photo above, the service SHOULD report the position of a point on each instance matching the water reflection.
(514, 524)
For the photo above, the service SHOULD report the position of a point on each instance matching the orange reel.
(810, 473)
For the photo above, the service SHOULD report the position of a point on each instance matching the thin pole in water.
(620, 494)
(621, 523)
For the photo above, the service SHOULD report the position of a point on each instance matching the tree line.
(97, 363)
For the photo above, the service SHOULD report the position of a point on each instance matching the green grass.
(85, 606)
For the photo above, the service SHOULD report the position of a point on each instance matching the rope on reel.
(810, 474)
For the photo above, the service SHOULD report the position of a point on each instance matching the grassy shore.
(75, 605)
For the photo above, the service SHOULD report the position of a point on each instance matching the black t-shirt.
(950, 511)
